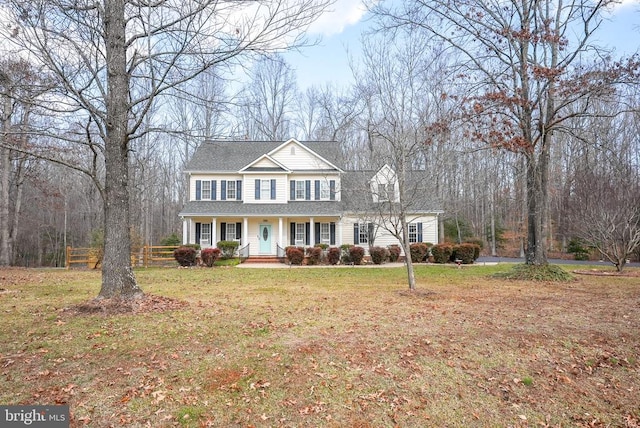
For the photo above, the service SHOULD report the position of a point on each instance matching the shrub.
(356, 254)
(333, 256)
(578, 248)
(185, 256)
(228, 248)
(345, 256)
(315, 255)
(441, 253)
(394, 253)
(523, 272)
(172, 240)
(209, 256)
(418, 252)
(295, 255)
(378, 255)
(465, 252)
(322, 246)
(478, 241)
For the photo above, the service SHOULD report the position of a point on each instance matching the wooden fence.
(149, 255)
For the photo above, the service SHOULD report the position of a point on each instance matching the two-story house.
(268, 195)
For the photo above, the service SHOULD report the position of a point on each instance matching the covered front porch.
(264, 235)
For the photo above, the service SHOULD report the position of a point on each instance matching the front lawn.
(327, 347)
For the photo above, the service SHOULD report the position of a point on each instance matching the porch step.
(262, 259)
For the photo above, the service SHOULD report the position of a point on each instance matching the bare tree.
(395, 88)
(113, 58)
(268, 101)
(524, 63)
(21, 85)
(606, 212)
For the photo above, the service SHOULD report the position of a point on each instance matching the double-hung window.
(325, 191)
(300, 233)
(325, 233)
(231, 190)
(363, 236)
(205, 233)
(206, 189)
(413, 233)
(231, 231)
(265, 189)
(300, 190)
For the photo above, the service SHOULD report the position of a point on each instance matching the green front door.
(265, 239)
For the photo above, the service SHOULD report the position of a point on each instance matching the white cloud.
(342, 14)
(623, 6)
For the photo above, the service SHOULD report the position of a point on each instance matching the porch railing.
(281, 254)
(243, 253)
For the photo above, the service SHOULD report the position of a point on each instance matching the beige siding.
(217, 177)
(313, 177)
(249, 189)
(299, 158)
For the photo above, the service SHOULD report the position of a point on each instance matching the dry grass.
(327, 347)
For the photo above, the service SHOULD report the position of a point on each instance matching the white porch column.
(280, 232)
(185, 231)
(312, 232)
(214, 228)
(192, 234)
(339, 240)
(245, 231)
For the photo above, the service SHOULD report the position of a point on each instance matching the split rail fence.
(149, 255)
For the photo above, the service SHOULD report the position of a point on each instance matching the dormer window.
(385, 192)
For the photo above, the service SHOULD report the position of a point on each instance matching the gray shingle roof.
(237, 208)
(231, 156)
(227, 156)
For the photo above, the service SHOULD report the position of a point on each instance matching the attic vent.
(293, 150)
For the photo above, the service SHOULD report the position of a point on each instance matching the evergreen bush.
(228, 248)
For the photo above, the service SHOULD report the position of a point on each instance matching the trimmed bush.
(322, 246)
(394, 253)
(295, 255)
(333, 256)
(464, 252)
(185, 256)
(418, 251)
(356, 254)
(209, 256)
(228, 248)
(378, 255)
(314, 255)
(345, 256)
(441, 253)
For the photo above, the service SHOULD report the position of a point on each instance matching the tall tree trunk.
(5, 174)
(118, 279)
(411, 276)
(537, 195)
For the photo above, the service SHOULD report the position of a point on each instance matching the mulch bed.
(115, 306)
